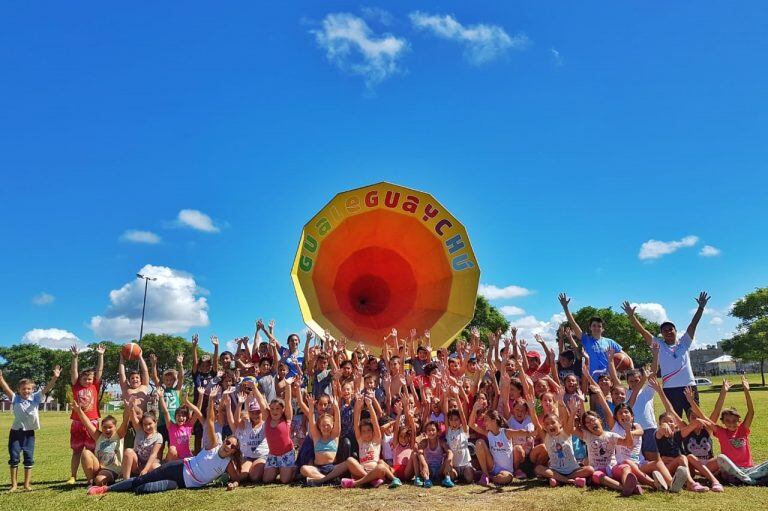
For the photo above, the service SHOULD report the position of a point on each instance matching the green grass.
(52, 470)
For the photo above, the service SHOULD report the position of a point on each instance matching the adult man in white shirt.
(674, 360)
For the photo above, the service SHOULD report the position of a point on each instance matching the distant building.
(700, 357)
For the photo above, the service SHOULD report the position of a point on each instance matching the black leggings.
(166, 477)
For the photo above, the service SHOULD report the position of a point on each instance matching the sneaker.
(629, 485)
(718, 488)
(428, 484)
(347, 483)
(97, 490)
(519, 474)
(658, 481)
(71, 481)
(698, 488)
(396, 483)
(484, 480)
(418, 481)
(447, 483)
(377, 483)
(579, 482)
(679, 480)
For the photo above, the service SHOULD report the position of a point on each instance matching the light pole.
(146, 283)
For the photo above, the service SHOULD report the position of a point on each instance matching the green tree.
(487, 319)
(33, 362)
(751, 339)
(618, 327)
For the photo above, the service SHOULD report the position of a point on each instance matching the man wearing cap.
(674, 360)
(594, 344)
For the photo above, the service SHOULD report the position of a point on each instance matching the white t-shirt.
(204, 468)
(501, 449)
(253, 442)
(520, 438)
(643, 408)
(675, 362)
(601, 449)
(386, 447)
(458, 441)
(624, 453)
(25, 415)
(560, 450)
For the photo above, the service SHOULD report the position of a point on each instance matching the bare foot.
(12, 488)
(28, 487)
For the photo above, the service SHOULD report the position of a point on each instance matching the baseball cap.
(533, 354)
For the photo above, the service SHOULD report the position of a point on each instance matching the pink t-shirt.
(735, 445)
(178, 437)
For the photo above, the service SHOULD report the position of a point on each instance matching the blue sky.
(563, 136)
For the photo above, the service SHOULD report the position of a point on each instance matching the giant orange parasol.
(382, 257)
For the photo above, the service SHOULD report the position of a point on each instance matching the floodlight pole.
(144, 306)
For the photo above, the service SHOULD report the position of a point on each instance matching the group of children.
(332, 414)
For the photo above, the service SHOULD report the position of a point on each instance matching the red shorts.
(399, 471)
(79, 438)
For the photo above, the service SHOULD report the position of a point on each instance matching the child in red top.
(736, 458)
(85, 391)
(277, 417)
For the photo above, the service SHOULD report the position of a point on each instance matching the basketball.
(622, 361)
(131, 351)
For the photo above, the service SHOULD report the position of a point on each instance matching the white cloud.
(43, 299)
(709, 251)
(53, 338)
(528, 326)
(135, 236)
(652, 312)
(556, 57)
(174, 305)
(717, 320)
(377, 14)
(197, 220)
(494, 293)
(482, 43)
(350, 43)
(511, 310)
(654, 249)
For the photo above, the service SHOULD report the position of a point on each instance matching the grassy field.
(52, 470)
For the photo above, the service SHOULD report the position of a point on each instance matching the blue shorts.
(649, 441)
(325, 469)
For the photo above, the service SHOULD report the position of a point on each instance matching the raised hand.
(214, 341)
(195, 339)
(744, 382)
(100, 349)
(426, 336)
(153, 359)
(655, 347)
(393, 333)
(271, 325)
(689, 394)
(702, 299)
(200, 390)
(654, 383)
(241, 397)
(214, 390)
(413, 333)
(727, 384)
(513, 331)
(309, 336)
(57, 371)
(180, 358)
(475, 332)
(564, 300)
(628, 309)
(74, 350)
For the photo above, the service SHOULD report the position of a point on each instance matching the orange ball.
(131, 351)
(622, 361)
